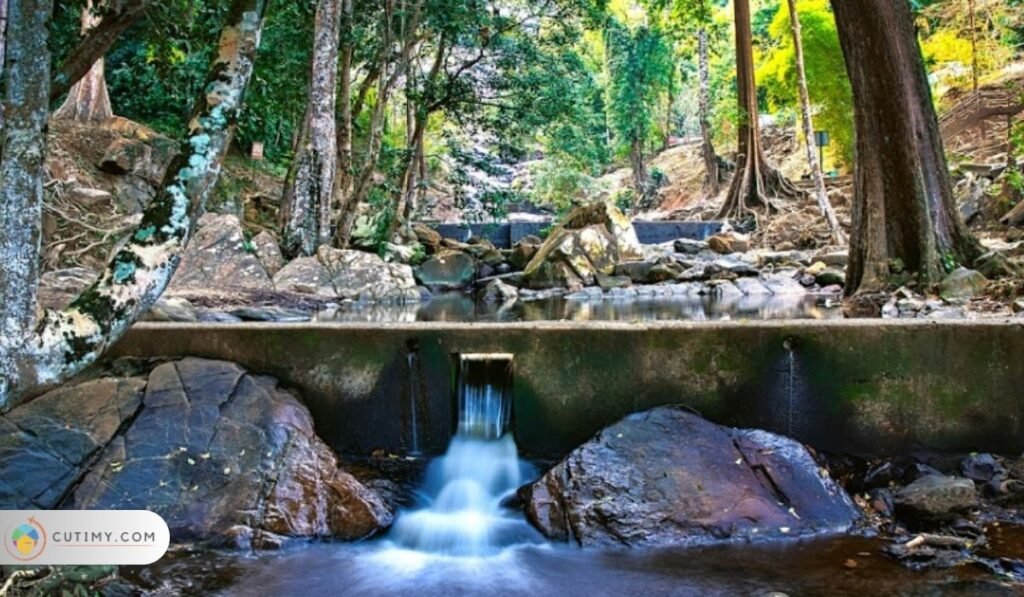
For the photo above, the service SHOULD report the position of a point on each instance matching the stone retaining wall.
(851, 386)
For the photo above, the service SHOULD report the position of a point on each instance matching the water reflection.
(456, 307)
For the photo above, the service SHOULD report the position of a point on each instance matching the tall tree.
(26, 109)
(712, 174)
(3, 48)
(36, 353)
(820, 193)
(117, 16)
(755, 183)
(904, 214)
(386, 79)
(88, 100)
(640, 69)
(307, 213)
(343, 180)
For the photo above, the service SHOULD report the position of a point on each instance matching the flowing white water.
(410, 360)
(462, 513)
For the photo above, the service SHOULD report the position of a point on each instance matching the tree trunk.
(308, 198)
(712, 176)
(118, 16)
(417, 119)
(343, 182)
(755, 182)
(88, 100)
(641, 182)
(21, 177)
(3, 47)
(820, 193)
(63, 343)
(385, 85)
(903, 210)
(974, 45)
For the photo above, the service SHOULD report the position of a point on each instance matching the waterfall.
(413, 378)
(462, 512)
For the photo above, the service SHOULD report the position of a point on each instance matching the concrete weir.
(865, 387)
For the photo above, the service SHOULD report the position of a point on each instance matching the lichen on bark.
(66, 341)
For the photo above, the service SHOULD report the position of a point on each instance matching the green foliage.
(1015, 174)
(158, 66)
(560, 185)
(640, 68)
(827, 82)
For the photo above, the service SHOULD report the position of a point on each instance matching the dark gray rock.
(271, 313)
(449, 270)
(689, 246)
(229, 458)
(45, 444)
(637, 271)
(934, 498)
(982, 467)
(668, 477)
(223, 456)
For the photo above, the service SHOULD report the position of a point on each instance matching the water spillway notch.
(483, 394)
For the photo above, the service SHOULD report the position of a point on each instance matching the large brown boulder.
(668, 477)
(592, 241)
(226, 457)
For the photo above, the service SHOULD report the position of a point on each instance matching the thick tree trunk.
(903, 210)
(65, 342)
(712, 176)
(755, 183)
(3, 48)
(117, 17)
(343, 181)
(820, 193)
(88, 100)
(21, 177)
(308, 197)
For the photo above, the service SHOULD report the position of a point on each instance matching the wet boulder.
(500, 292)
(448, 270)
(831, 277)
(982, 467)
(934, 498)
(227, 458)
(668, 477)
(46, 444)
